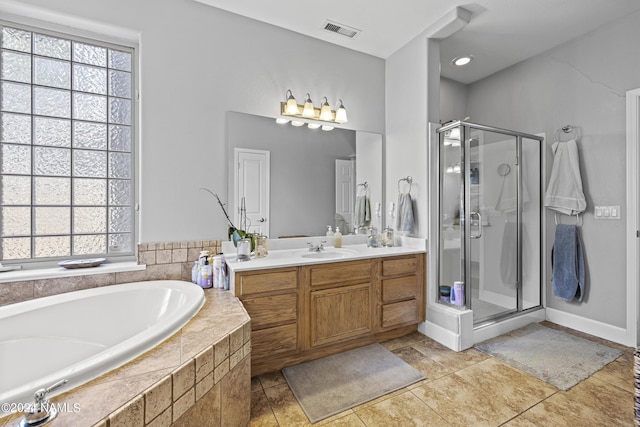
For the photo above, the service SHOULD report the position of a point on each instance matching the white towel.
(564, 192)
(405, 213)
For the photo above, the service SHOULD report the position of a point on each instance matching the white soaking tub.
(80, 335)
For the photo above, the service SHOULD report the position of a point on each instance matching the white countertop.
(294, 252)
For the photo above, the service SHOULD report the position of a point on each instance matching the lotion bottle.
(337, 238)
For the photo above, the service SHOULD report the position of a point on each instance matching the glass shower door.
(491, 223)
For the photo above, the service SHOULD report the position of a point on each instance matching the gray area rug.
(561, 359)
(333, 384)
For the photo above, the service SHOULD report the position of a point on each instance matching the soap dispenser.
(337, 238)
(329, 231)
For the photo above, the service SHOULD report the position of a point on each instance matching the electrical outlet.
(606, 212)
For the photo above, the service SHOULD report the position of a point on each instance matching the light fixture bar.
(290, 108)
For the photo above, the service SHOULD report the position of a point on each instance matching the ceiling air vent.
(343, 30)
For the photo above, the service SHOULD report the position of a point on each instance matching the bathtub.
(80, 335)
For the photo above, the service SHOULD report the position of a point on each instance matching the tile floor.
(467, 388)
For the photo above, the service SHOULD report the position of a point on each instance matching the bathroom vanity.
(305, 305)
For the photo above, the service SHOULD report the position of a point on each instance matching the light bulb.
(292, 105)
(325, 111)
(308, 110)
(341, 113)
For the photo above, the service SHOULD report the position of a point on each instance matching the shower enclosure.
(490, 220)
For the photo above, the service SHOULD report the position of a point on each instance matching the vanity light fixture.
(291, 105)
(341, 113)
(308, 111)
(326, 114)
(460, 61)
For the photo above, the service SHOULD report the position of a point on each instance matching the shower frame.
(465, 223)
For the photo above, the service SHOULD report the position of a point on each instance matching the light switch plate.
(606, 212)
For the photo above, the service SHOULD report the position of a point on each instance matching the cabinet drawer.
(340, 272)
(399, 313)
(400, 288)
(268, 281)
(271, 310)
(268, 342)
(394, 266)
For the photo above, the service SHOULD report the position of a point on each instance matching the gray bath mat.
(561, 359)
(333, 384)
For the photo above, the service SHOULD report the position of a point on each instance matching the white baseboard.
(507, 325)
(591, 327)
(443, 336)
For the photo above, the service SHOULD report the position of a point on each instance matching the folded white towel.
(564, 192)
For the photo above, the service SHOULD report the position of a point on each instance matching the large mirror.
(295, 181)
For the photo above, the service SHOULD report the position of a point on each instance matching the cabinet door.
(340, 313)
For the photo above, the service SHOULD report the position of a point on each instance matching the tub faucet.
(41, 410)
(318, 248)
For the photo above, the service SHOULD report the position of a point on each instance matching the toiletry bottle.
(217, 265)
(337, 238)
(206, 275)
(194, 272)
(329, 231)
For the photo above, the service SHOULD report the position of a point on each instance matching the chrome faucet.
(318, 248)
(41, 411)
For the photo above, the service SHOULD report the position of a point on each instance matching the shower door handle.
(477, 214)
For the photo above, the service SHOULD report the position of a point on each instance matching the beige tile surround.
(164, 261)
(199, 376)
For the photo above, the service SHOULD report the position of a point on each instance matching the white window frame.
(108, 41)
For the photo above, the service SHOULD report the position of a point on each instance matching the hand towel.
(567, 262)
(405, 214)
(509, 254)
(363, 211)
(564, 192)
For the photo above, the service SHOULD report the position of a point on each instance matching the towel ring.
(567, 129)
(578, 219)
(409, 181)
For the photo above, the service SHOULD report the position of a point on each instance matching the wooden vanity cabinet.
(271, 299)
(341, 298)
(402, 283)
(311, 311)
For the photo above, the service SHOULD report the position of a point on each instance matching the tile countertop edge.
(58, 272)
(220, 317)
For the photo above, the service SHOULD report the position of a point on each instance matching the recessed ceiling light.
(459, 61)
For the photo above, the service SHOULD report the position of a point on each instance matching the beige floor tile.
(559, 410)
(272, 379)
(618, 373)
(343, 419)
(261, 413)
(463, 404)
(520, 421)
(604, 398)
(256, 384)
(507, 385)
(453, 360)
(427, 366)
(402, 410)
(403, 341)
(285, 406)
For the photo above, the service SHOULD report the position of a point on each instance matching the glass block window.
(66, 139)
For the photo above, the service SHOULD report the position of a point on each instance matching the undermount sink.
(328, 254)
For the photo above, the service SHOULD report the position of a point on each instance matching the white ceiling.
(501, 32)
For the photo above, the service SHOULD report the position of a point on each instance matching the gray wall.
(196, 63)
(583, 83)
(303, 179)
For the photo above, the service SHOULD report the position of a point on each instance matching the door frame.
(235, 209)
(633, 222)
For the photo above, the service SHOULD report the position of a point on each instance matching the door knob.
(262, 220)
